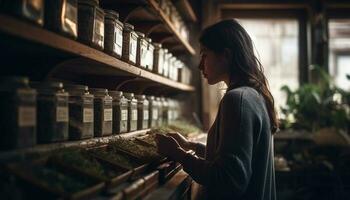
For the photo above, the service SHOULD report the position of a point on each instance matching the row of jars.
(99, 28)
(169, 9)
(46, 112)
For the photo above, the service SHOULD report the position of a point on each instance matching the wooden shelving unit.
(115, 66)
(168, 23)
(41, 148)
(186, 10)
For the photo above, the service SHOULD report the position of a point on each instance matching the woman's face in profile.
(214, 66)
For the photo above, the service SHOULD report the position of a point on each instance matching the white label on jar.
(62, 114)
(119, 41)
(108, 114)
(134, 114)
(70, 15)
(155, 114)
(124, 115)
(145, 115)
(132, 52)
(88, 115)
(99, 31)
(26, 116)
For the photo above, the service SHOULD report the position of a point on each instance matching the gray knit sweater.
(237, 162)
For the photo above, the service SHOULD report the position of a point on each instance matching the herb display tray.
(144, 153)
(120, 158)
(54, 182)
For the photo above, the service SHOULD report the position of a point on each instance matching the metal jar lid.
(111, 14)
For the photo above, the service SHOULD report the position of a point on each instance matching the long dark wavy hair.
(246, 69)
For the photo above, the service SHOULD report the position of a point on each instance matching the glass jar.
(129, 44)
(120, 112)
(165, 110)
(113, 34)
(166, 63)
(81, 112)
(149, 56)
(153, 112)
(172, 61)
(103, 113)
(91, 23)
(142, 112)
(132, 112)
(142, 45)
(160, 111)
(32, 10)
(61, 16)
(52, 112)
(158, 58)
(18, 113)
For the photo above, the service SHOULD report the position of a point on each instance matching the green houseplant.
(317, 105)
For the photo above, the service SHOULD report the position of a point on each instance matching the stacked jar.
(158, 58)
(132, 112)
(142, 112)
(81, 112)
(113, 42)
(166, 63)
(149, 54)
(165, 110)
(160, 111)
(129, 44)
(29, 10)
(91, 23)
(18, 119)
(103, 114)
(142, 46)
(120, 112)
(153, 112)
(62, 16)
(52, 112)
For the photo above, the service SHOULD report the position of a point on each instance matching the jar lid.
(128, 26)
(140, 34)
(166, 50)
(158, 98)
(140, 97)
(90, 2)
(157, 45)
(47, 85)
(76, 87)
(149, 40)
(99, 91)
(150, 97)
(111, 14)
(115, 93)
(8, 82)
(129, 95)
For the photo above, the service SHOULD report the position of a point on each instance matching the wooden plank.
(42, 148)
(173, 189)
(41, 36)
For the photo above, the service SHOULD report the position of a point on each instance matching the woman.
(237, 162)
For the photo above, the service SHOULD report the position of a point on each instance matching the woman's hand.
(167, 146)
(184, 143)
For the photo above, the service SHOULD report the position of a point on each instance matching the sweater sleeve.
(230, 171)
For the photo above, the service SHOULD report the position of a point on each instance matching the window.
(339, 52)
(276, 45)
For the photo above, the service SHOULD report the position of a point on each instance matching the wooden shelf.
(42, 148)
(110, 65)
(168, 23)
(186, 10)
